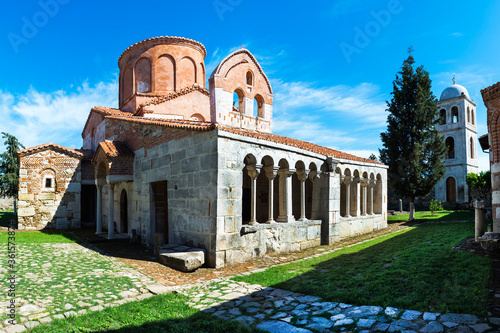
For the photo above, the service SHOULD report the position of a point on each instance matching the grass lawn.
(5, 217)
(163, 313)
(444, 215)
(411, 269)
(51, 236)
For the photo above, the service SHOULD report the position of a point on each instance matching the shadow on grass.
(6, 218)
(416, 270)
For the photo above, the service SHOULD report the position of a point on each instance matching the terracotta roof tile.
(164, 98)
(296, 143)
(116, 149)
(53, 146)
(491, 92)
(172, 123)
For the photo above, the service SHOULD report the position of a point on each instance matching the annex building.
(181, 164)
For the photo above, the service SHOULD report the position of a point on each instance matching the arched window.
(48, 180)
(451, 190)
(454, 114)
(450, 148)
(238, 99)
(442, 117)
(249, 78)
(471, 148)
(468, 115)
(197, 117)
(143, 75)
(258, 106)
(472, 116)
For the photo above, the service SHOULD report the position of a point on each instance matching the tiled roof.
(172, 123)
(53, 146)
(171, 96)
(296, 143)
(491, 91)
(168, 39)
(110, 111)
(116, 149)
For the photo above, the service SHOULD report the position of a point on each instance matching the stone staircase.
(180, 257)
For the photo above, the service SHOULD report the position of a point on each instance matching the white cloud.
(483, 160)
(59, 116)
(362, 102)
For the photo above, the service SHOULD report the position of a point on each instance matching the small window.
(468, 115)
(238, 100)
(450, 147)
(442, 117)
(249, 78)
(471, 148)
(472, 116)
(454, 114)
(48, 182)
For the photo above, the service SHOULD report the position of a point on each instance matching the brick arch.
(142, 75)
(186, 74)
(494, 130)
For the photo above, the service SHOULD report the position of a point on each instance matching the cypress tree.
(413, 148)
(9, 167)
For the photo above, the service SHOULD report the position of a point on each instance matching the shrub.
(435, 206)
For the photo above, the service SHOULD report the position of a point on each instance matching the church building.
(199, 167)
(457, 123)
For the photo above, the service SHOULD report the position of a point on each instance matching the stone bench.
(182, 258)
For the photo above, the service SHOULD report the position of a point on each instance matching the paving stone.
(245, 320)
(260, 316)
(320, 323)
(15, 328)
(395, 328)
(366, 323)
(279, 315)
(495, 321)
(250, 304)
(126, 294)
(302, 306)
(68, 307)
(431, 316)
(58, 316)
(308, 299)
(342, 322)
(337, 317)
(253, 310)
(96, 308)
(28, 308)
(70, 314)
(232, 296)
(411, 315)
(300, 313)
(158, 289)
(449, 324)
(480, 328)
(280, 327)
(235, 312)
(382, 327)
(461, 329)
(362, 311)
(433, 327)
(31, 324)
(406, 324)
(45, 320)
(459, 318)
(344, 306)
(391, 312)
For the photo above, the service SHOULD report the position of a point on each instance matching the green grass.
(6, 216)
(411, 269)
(162, 313)
(444, 215)
(30, 237)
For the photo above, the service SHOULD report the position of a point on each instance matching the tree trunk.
(412, 209)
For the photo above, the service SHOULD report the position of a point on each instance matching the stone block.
(28, 211)
(61, 223)
(313, 232)
(229, 224)
(22, 204)
(183, 261)
(74, 187)
(26, 197)
(46, 196)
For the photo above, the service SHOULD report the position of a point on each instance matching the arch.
(249, 78)
(450, 147)
(471, 147)
(165, 73)
(123, 212)
(101, 172)
(127, 84)
(186, 74)
(442, 117)
(48, 180)
(259, 102)
(239, 100)
(454, 114)
(377, 195)
(472, 116)
(143, 75)
(197, 117)
(202, 79)
(468, 115)
(451, 190)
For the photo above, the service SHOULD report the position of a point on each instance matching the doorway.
(159, 209)
(123, 212)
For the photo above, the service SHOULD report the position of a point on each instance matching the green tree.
(372, 157)
(9, 167)
(480, 186)
(413, 148)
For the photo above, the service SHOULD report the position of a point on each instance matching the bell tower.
(457, 123)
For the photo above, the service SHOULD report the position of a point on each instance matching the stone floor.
(211, 291)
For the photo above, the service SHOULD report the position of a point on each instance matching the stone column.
(111, 212)
(347, 182)
(356, 184)
(271, 173)
(253, 172)
(99, 211)
(365, 201)
(285, 199)
(302, 175)
(372, 184)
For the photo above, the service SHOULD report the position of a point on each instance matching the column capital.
(99, 183)
(346, 179)
(254, 170)
(356, 180)
(371, 182)
(287, 172)
(111, 185)
(302, 174)
(271, 171)
(314, 174)
(364, 182)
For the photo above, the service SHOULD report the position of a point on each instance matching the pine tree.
(9, 167)
(413, 148)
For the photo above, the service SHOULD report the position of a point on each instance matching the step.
(181, 258)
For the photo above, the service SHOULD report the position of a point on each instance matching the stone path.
(277, 310)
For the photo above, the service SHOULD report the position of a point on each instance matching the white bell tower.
(457, 113)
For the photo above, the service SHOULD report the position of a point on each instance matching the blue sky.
(331, 63)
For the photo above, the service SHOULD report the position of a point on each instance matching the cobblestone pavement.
(278, 310)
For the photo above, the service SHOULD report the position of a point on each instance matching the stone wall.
(6, 203)
(49, 191)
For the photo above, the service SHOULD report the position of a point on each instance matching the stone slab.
(280, 326)
(183, 261)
